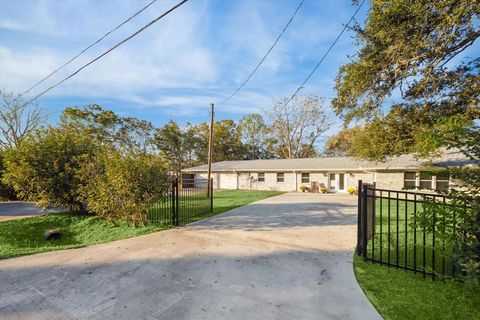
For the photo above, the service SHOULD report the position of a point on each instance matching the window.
(305, 177)
(425, 180)
(410, 179)
(261, 177)
(280, 177)
(443, 181)
(341, 181)
(332, 181)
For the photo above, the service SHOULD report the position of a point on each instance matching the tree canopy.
(412, 49)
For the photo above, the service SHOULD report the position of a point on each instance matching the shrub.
(457, 223)
(323, 189)
(43, 168)
(303, 188)
(122, 187)
(352, 190)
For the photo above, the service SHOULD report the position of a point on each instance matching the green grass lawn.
(25, 236)
(398, 294)
(414, 250)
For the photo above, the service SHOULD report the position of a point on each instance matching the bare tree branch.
(16, 120)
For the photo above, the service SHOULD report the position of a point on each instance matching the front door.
(337, 182)
(341, 182)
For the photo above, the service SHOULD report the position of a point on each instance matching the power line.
(265, 56)
(91, 45)
(108, 51)
(326, 53)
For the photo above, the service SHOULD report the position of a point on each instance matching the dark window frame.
(305, 179)
(444, 181)
(426, 180)
(280, 179)
(261, 176)
(407, 181)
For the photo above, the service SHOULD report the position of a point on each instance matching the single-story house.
(337, 174)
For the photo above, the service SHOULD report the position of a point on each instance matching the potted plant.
(323, 189)
(352, 190)
(304, 188)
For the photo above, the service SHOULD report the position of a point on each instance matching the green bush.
(122, 186)
(458, 224)
(44, 167)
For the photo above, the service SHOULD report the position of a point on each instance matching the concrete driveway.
(286, 257)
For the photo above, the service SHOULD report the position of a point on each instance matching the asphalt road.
(20, 209)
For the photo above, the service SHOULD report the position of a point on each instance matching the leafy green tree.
(122, 187)
(124, 133)
(227, 144)
(341, 143)
(44, 167)
(176, 146)
(415, 49)
(254, 134)
(6, 192)
(412, 48)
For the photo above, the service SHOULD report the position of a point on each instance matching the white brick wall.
(390, 180)
(293, 181)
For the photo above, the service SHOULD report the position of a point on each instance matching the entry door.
(341, 182)
(337, 182)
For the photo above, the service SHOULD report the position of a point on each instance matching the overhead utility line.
(108, 51)
(325, 55)
(265, 56)
(83, 51)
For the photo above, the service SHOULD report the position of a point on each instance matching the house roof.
(449, 158)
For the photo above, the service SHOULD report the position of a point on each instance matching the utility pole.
(210, 149)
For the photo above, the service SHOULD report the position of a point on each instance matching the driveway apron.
(285, 257)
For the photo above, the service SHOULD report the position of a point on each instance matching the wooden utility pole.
(210, 150)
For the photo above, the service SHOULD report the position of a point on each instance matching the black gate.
(183, 202)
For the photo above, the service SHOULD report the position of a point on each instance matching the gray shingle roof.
(450, 158)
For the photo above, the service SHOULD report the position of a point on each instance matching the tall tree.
(412, 48)
(176, 146)
(227, 144)
(298, 125)
(254, 134)
(415, 48)
(17, 120)
(341, 143)
(125, 133)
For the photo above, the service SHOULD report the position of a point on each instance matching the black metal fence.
(183, 202)
(408, 230)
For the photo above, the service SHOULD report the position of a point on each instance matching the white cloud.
(11, 25)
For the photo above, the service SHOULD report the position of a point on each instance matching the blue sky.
(197, 55)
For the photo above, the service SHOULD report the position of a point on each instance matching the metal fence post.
(211, 194)
(173, 203)
(359, 219)
(177, 222)
(364, 221)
